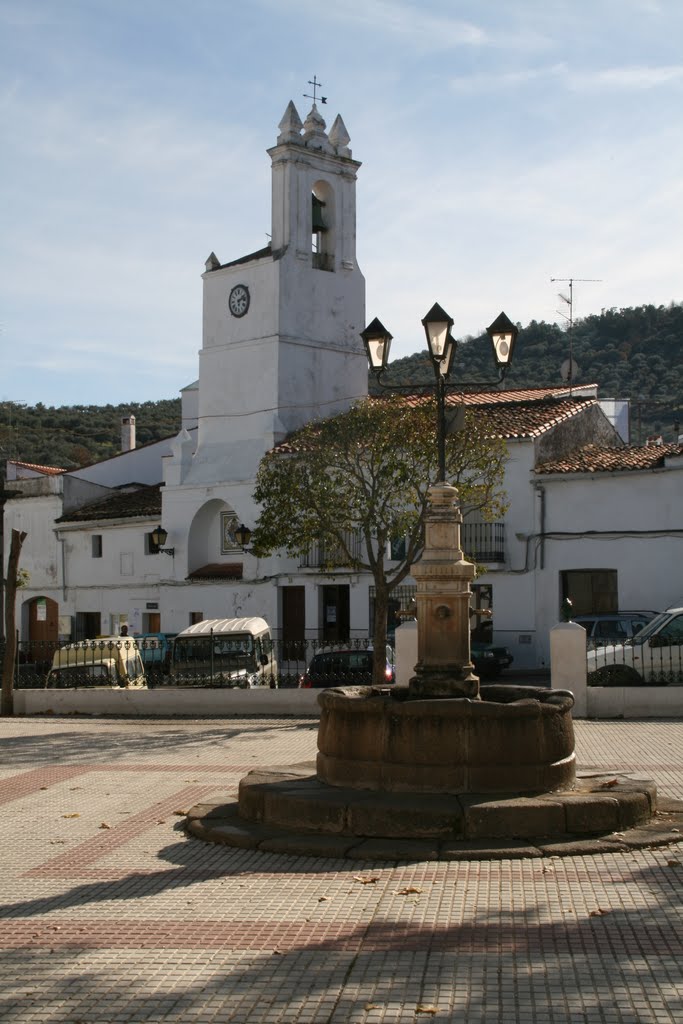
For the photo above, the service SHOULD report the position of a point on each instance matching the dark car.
(345, 667)
(489, 661)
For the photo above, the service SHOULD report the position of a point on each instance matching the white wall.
(600, 509)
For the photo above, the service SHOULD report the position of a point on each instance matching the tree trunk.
(7, 701)
(379, 634)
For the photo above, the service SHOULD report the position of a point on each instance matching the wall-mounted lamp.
(242, 535)
(159, 536)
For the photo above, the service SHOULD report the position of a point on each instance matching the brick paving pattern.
(110, 913)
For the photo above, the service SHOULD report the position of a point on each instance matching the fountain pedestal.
(443, 577)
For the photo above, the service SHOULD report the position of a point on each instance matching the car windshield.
(72, 675)
(234, 652)
(653, 626)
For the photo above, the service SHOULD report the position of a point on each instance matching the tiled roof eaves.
(509, 417)
(593, 459)
(250, 258)
(47, 470)
(140, 504)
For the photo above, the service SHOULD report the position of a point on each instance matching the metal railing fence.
(634, 664)
(207, 662)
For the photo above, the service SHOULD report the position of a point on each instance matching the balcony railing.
(484, 542)
(321, 555)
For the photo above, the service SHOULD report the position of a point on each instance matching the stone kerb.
(568, 663)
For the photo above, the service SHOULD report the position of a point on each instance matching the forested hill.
(634, 353)
(69, 436)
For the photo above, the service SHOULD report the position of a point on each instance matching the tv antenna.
(316, 85)
(569, 367)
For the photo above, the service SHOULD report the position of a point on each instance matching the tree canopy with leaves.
(355, 482)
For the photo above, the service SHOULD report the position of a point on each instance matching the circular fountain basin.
(515, 739)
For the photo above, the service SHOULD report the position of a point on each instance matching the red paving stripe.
(578, 938)
(26, 783)
(108, 840)
(188, 769)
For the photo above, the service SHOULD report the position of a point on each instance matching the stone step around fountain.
(288, 810)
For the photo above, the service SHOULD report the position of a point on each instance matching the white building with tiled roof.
(280, 346)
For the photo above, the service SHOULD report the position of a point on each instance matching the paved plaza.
(110, 913)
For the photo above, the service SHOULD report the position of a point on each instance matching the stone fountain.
(442, 768)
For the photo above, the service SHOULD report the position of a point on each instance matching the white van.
(109, 661)
(225, 652)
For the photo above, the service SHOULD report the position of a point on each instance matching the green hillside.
(631, 353)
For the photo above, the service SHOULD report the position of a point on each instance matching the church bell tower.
(281, 326)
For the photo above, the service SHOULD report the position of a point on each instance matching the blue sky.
(503, 142)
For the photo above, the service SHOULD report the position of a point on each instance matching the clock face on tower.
(238, 303)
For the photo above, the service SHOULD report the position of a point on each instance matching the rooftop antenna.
(570, 366)
(316, 85)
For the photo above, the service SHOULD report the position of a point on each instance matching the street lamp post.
(442, 347)
(442, 574)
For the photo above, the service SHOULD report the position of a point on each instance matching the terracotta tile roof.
(511, 414)
(47, 470)
(146, 501)
(595, 459)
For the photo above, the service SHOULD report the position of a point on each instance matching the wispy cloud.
(616, 79)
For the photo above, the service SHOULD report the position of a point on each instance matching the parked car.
(654, 656)
(225, 652)
(345, 667)
(489, 661)
(155, 651)
(108, 661)
(614, 627)
(155, 648)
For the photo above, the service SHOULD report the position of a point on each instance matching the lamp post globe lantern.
(437, 326)
(503, 334)
(377, 341)
(159, 536)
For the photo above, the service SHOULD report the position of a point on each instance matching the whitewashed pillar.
(568, 664)
(406, 651)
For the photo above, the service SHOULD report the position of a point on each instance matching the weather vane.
(316, 85)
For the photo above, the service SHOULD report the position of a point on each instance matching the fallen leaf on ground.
(181, 814)
(673, 863)
(426, 1008)
(367, 880)
(610, 784)
(323, 899)
(71, 815)
(408, 890)
(598, 913)
(105, 825)
(161, 821)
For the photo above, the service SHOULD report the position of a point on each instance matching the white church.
(281, 346)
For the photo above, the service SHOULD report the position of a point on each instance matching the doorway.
(335, 612)
(293, 622)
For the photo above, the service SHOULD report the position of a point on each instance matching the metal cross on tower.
(316, 85)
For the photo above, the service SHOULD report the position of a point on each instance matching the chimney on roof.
(128, 433)
(654, 439)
